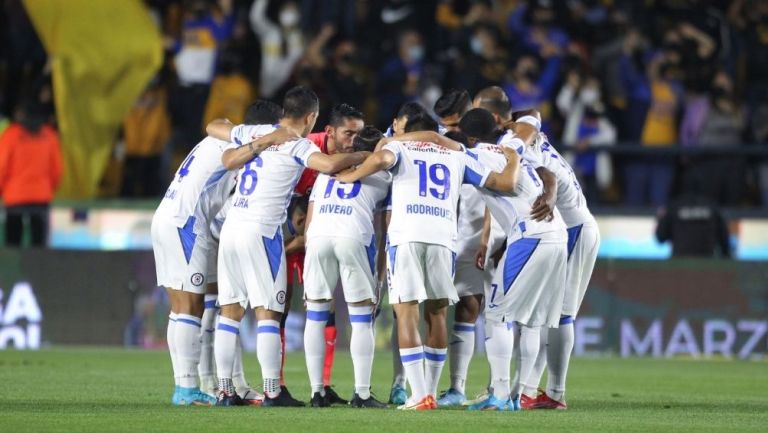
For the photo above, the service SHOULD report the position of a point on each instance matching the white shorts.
(213, 265)
(329, 258)
(181, 256)
(583, 243)
(469, 280)
(251, 268)
(417, 271)
(529, 285)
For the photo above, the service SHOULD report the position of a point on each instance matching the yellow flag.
(102, 53)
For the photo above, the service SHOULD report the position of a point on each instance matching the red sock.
(282, 356)
(330, 350)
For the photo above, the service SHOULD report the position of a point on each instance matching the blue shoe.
(176, 398)
(451, 398)
(397, 395)
(192, 397)
(491, 403)
(513, 404)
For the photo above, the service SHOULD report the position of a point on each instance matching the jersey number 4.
(439, 176)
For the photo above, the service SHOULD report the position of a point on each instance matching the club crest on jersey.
(197, 279)
(280, 297)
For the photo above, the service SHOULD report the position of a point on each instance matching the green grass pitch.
(115, 390)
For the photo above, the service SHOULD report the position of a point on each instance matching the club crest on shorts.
(280, 297)
(197, 279)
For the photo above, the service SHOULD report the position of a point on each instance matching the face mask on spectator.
(416, 53)
(476, 45)
(289, 18)
(589, 96)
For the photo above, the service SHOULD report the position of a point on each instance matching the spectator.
(282, 44)
(586, 126)
(231, 92)
(30, 170)
(648, 179)
(206, 26)
(146, 130)
(719, 122)
(399, 78)
(487, 62)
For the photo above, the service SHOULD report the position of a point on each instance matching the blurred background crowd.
(652, 99)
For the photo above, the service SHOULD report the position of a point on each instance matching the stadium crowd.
(663, 74)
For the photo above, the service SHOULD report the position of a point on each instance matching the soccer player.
(181, 242)
(261, 112)
(344, 123)
(527, 286)
(422, 237)
(251, 261)
(341, 245)
(469, 280)
(583, 243)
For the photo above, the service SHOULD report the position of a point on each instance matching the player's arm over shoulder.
(330, 164)
(377, 161)
(506, 181)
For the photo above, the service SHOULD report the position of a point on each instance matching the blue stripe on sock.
(268, 330)
(566, 320)
(319, 316)
(435, 356)
(210, 304)
(228, 328)
(510, 325)
(360, 318)
(189, 322)
(464, 328)
(412, 357)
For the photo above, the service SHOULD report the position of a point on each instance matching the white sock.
(238, 375)
(532, 387)
(558, 356)
(314, 342)
(361, 347)
(498, 346)
(433, 367)
(187, 334)
(398, 373)
(529, 348)
(170, 338)
(269, 353)
(224, 344)
(413, 365)
(208, 323)
(462, 348)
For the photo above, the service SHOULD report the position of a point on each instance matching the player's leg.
(357, 267)
(171, 337)
(206, 368)
(14, 225)
(225, 344)
(330, 355)
(461, 348)
(528, 351)
(530, 392)
(436, 349)
(397, 394)
(411, 349)
(579, 271)
(498, 347)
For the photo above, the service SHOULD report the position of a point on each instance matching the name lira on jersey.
(425, 191)
(265, 184)
(513, 211)
(346, 209)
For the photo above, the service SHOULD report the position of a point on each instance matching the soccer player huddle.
(479, 212)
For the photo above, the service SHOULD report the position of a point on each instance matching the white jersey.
(346, 210)
(200, 187)
(265, 185)
(513, 211)
(470, 223)
(570, 199)
(425, 191)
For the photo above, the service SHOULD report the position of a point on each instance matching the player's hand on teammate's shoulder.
(509, 153)
(543, 208)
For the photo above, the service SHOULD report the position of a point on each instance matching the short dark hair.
(410, 110)
(366, 139)
(478, 123)
(298, 202)
(341, 112)
(458, 136)
(452, 102)
(300, 101)
(422, 122)
(263, 112)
